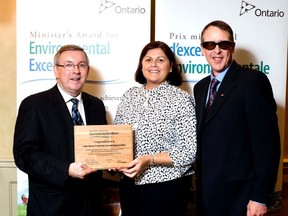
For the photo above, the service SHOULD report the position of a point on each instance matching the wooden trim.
(7, 164)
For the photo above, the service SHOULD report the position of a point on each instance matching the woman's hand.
(137, 166)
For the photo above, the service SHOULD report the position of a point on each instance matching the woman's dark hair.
(174, 77)
(221, 25)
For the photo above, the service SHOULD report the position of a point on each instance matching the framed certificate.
(103, 146)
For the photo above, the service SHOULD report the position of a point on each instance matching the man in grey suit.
(238, 147)
(44, 142)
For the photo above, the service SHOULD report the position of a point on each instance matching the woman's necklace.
(144, 107)
(146, 102)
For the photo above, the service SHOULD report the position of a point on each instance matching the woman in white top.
(157, 182)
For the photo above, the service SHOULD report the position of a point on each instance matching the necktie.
(212, 93)
(76, 117)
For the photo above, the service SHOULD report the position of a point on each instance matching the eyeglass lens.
(70, 66)
(80, 66)
(225, 45)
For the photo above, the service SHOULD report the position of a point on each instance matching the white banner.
(112, 33)
(260, 32)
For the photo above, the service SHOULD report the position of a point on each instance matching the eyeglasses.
(70, 66)
(225, 45)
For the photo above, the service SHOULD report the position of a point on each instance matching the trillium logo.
(105, 4)
(245, 7)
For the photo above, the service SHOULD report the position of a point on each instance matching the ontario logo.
(107, 4)
(247, 7)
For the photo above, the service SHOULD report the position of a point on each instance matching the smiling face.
(71, 81)
(156, 67)
(219, 59)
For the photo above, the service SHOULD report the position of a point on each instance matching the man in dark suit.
(238, 136)
(44, 142)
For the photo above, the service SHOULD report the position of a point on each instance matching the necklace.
(146, 102)
(142, 108)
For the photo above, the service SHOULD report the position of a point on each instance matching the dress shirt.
(219, 77)
(67, 98)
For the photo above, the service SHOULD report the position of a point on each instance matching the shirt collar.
(221, 75)
(68, 97)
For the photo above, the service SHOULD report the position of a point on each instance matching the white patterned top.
(163, 120)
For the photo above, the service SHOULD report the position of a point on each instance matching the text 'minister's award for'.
(104, 146)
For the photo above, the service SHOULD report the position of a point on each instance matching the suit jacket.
(44, 148)
(238, 143)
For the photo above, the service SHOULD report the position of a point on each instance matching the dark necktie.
(76, 117)
(212, 93)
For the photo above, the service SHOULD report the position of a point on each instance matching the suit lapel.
(87, 108)
(202, 100)
(59, 106)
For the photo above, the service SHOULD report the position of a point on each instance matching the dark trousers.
(165, 198)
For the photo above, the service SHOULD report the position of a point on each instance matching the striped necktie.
(76, 117)
(212, 93)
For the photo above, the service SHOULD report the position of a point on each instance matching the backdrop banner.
(111, 32)
(260, 32)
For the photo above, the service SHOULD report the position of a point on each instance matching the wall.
(8, 185)
(8, 178)
(7, 76)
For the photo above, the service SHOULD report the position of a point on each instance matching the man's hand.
(256, 209)
(79, 170)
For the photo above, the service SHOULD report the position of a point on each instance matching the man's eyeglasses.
(70, 66)
(225, 45)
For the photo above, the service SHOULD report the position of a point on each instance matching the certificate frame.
(103, 146)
